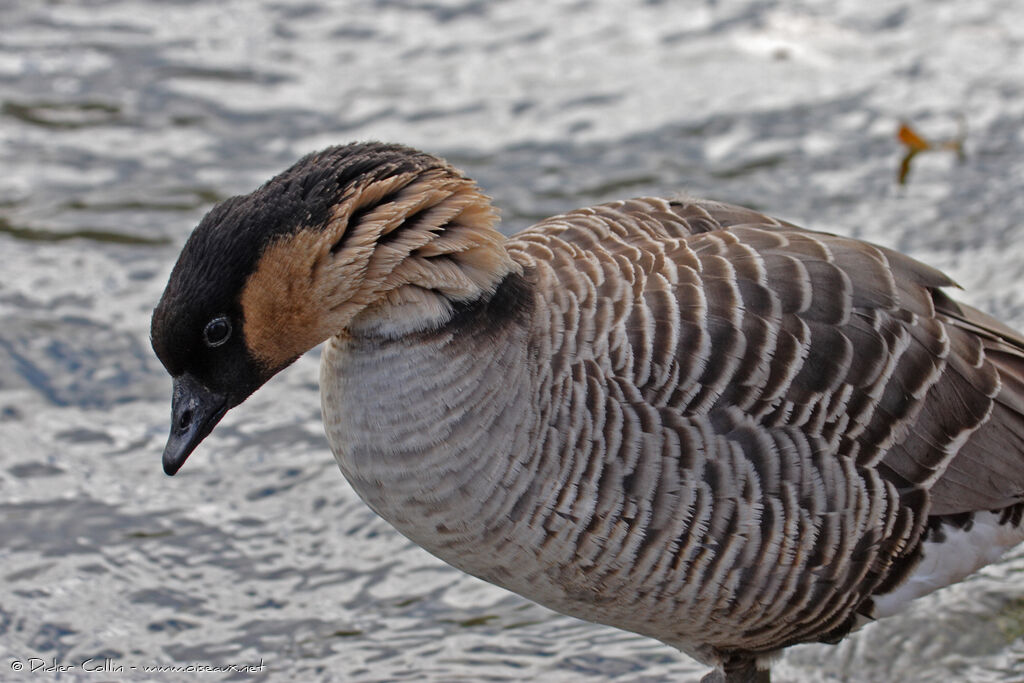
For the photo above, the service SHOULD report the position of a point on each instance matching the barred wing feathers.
(783, 409)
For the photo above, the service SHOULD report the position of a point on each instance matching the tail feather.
(988, 471)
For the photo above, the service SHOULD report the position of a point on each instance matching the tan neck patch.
(434, 235)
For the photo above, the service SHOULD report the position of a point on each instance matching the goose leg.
(738, 670)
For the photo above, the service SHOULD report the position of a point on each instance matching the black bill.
(195, 411)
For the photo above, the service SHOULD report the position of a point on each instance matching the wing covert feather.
(825, 375)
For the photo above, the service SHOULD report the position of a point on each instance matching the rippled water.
(122, 122)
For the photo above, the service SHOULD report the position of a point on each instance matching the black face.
(198, 326)
(197, 333)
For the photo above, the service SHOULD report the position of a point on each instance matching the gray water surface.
(121, 123)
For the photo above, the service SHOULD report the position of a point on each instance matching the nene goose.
(677, 417)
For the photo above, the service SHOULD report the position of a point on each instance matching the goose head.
(367, 239)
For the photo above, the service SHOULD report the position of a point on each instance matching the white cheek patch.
(950, 557)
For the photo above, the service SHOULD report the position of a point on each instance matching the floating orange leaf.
(915, 142)
(909, 137)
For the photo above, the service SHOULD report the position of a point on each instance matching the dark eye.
(217, 331)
